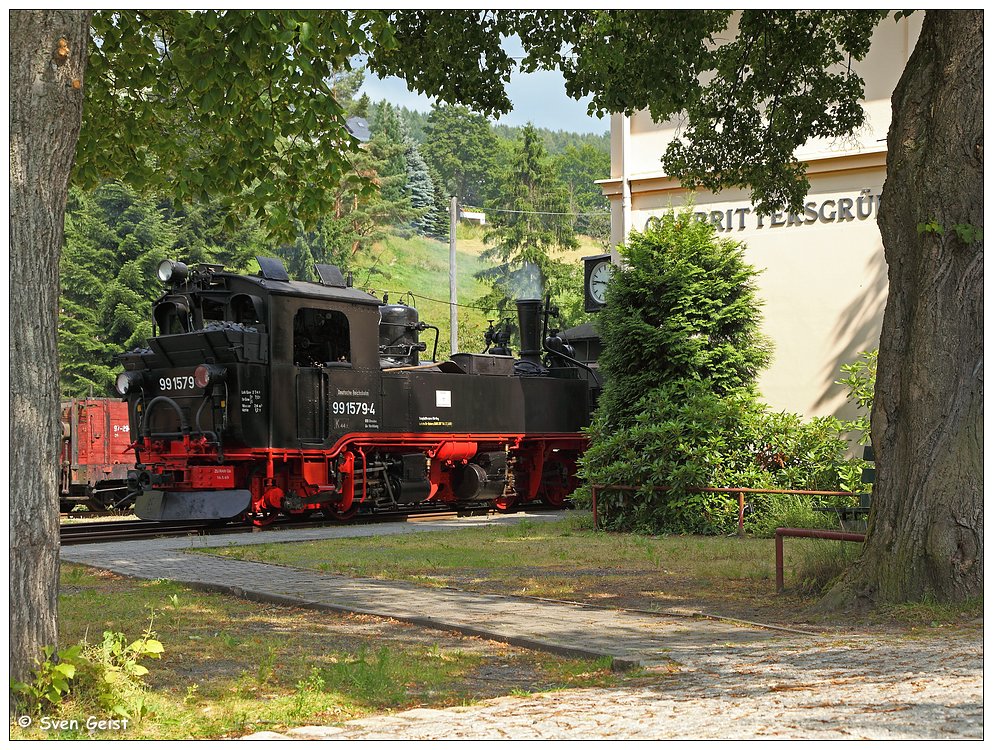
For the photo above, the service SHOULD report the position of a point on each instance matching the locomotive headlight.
(206, 375)
(172, 270)
(128, 381)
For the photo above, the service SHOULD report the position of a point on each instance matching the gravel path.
(876, 687)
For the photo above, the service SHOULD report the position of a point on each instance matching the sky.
(537, 97)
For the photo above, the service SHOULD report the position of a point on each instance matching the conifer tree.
(682, 310)
(361, 106)
(437, 221)
(85, 354)
(389, 150)
(420, 187)
(529, 223)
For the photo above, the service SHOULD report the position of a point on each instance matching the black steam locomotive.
(260, 396)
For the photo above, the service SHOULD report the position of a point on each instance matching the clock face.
(599, 277)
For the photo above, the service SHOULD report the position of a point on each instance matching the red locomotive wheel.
(504, 504)
(265, 510)
(555, 497)
(264, 518)
(344, 515)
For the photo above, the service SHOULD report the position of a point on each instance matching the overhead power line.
(545, 213)
(414, 297)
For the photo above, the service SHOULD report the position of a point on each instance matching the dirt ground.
(651, 591)
(873, 677)
(910, 686)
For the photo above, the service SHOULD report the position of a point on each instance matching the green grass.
(560, 559)
(231, 667)
(567, 560)
(419, 265)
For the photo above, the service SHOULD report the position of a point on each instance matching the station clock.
(598, 269)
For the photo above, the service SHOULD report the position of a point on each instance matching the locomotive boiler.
(259, 396)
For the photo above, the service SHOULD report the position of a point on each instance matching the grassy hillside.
(417, 269)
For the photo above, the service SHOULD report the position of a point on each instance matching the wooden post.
(596, 524)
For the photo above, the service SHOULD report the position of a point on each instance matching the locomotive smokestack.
(529, 320)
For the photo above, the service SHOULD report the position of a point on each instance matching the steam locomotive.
(260, 396)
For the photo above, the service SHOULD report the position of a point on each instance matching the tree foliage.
(557, 141)
(579, 167)
(749, 95)
(683, 309)
(528, 225)
(420, 188)
(461, 147)
(235, 105)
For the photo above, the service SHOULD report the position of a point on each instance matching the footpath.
(724, 679)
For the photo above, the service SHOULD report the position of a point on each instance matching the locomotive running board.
(205, 505)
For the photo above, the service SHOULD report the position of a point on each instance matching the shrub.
(861, 384)
(681, 351)
(108, 674)
(683, 307)
(687, 436)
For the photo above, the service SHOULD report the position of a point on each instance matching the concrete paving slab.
(631, 639)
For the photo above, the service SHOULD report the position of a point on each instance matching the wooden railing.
(739, 491)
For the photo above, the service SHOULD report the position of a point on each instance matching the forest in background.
(390, 224)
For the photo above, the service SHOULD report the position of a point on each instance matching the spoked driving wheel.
(558, 482)
(261, 519)
(504, 504)
(343, 515)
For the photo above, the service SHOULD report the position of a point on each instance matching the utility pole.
(452, 295)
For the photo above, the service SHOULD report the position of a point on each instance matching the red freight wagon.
(96, 456)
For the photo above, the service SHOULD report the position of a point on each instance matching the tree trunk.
(47, 61)
(926, 532)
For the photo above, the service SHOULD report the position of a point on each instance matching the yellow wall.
(823, 275)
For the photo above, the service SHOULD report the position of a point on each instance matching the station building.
(823, 276)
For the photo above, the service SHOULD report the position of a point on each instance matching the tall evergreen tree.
(688, 299)
(420, 188)
(361, 106)
(85, 353)
(437, 221)
(389, 149)
(114, 242)
(529, 222)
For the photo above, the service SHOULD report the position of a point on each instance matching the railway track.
(118, 531)
(78, 514)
